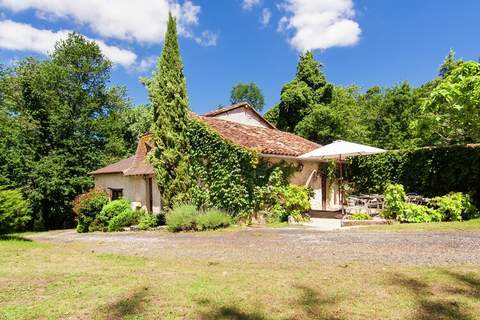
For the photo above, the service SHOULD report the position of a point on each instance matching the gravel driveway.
(295, 245)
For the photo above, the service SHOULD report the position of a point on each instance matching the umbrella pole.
(341, 182)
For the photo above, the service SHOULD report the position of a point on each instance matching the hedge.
(427, 171)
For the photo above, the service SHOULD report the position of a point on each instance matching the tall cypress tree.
(168, 95)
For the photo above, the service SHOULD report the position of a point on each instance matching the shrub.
(147, 220)
(394, 201)
(455, 207)
(213, 219)
(182, 218)
(279, 201)
(413, 213)
(14, 211)
(109, 211)
(360, 216)
(87, 206)
(124, 219)
(296, 201)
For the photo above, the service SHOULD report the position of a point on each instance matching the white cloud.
(207, 39)
(266, 16)
(135, 20)
(249, 4)
(320, 24)
(24, 37)
(146, 64)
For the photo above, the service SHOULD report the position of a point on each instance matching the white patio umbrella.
(338, 150)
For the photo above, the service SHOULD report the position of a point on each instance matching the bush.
(147, 220)
(279, 201)
(87, 206)
(124, 219)
(414, 213)
(213, 219)
(360, 216)
(182, 218)
(109, 211)
(394, 201)
(455, 207)
(14, 211)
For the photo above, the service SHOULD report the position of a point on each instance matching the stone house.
(133, 178)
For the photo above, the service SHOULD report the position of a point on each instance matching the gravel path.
(294, 245)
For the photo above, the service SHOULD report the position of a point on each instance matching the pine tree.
(168, 95)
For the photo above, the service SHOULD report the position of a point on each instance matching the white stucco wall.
(135, 189)
(243, 116)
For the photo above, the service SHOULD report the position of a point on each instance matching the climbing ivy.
(225, 175)
(427, 171)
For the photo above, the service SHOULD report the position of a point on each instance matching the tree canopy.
(59, 121)
(248, 92)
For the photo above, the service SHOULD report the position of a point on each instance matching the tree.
(340, 119)
(449, 63)
(298, 97)
(452, 110)
(58, 124)
(14, 211)
(392, 127)
(248, 92)
(168, 96)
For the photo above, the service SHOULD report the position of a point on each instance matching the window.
(116, 193)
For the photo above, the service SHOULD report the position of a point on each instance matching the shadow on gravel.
(130, 305)
(310, 304)
(429, 306)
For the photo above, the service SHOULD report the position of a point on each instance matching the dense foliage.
(277, 200)
(427, 171)
(443, 111)
(168, 96)
(451, 207)
(224, 175)
(248, 92)
(96, 213)
(58, 121)
(14, 211)
(87, 207)
(455, 206)
(189, 218)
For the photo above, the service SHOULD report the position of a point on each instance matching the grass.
(470, 225)
(40, 281)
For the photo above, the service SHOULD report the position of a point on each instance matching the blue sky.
(362, 42)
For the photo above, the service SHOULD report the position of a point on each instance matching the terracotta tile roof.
(117, 167)
(266, 141)
(135, 165)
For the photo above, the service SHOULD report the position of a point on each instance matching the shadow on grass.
(12, 237)
(130, 305)
(429, 306)
(310, 304)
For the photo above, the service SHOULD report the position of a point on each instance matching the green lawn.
(470, 225)
(40, 281)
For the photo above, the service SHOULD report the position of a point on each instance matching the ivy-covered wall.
(427, 171)
(225, 175)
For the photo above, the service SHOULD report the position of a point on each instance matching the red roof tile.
(265, 140)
